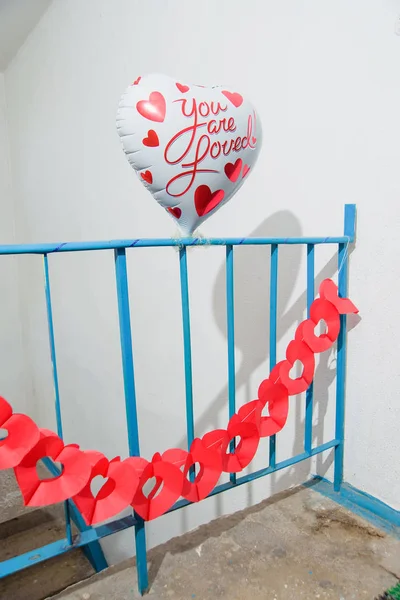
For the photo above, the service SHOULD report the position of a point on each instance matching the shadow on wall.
(252, 302)
(252, 298)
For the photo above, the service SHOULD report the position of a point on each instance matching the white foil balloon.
(191, 146)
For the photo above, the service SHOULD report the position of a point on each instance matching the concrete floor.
(298, 545)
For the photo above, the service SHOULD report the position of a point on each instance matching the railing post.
(310, 390)
(130, 401)
(230, 316)
(273, 311)
(187, 349)
(349, 231)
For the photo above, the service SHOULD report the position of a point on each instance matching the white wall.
(13, 378)
(324, 79)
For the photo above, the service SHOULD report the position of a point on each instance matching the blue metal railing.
(89, 537)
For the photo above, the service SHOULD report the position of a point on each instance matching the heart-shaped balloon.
(191, 146)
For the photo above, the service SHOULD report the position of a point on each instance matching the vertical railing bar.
(273, 333)
(187, 350)
(231, 342)
(340, 373)
(343, 262)
(310, 390)
(56, 388)
(130, 400)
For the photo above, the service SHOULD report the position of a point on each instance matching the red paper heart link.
(246, 449)
(213, 440)
(297, 350)
(23, 435)
(328, 290)
(320, 310)
(277, 397)
(72, 479)
(275, 375)
(114, 496)
(251, 413)
(5, 410)
(176, 456)
(210, 462)
(238, 426)
(157, 502)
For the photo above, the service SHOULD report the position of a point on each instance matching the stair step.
(23, 529)
(11, 504)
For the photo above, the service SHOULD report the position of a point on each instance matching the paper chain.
(26, 443)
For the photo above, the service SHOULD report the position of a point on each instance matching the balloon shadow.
(252, 301)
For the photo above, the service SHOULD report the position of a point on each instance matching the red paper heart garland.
(172, 471)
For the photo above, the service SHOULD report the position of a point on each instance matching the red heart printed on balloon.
(232, 170)
(167, 489)
(147, 177)
(206, 479)
(22, 435)
(176, 211)
(151, 140)
(182, 88)
(234, 97)
(154, 108)
(205, 200)
(246, 169)
(297, 350)
(74, 476)
(202, 144)
(320, 310)
(114, 496)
